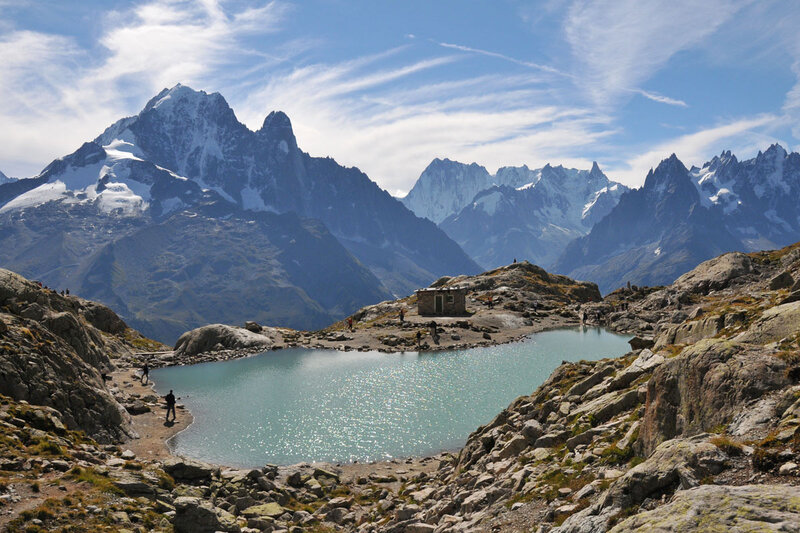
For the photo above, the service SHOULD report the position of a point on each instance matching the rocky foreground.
(697, 428)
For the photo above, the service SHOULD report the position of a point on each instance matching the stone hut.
(443, 301)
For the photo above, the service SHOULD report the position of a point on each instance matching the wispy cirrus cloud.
(530, 64)
(655, 97)
(620, 44)
(393, 132)
(574, 78)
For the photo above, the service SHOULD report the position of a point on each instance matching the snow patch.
(283, 147)
(47, 192)
(489, 202)
(118, 196)
(119, 149)
(79, 178)
(590, 204)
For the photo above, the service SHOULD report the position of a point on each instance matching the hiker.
(491, 302)
(402, 315)
(67, 292)
(350, 323)
(145, 374)
(419, 339)
(170, 399)
(434, 334)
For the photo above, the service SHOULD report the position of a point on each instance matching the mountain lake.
(301, 405)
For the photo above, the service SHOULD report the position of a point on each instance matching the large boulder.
(132, 483)
(216, 337)
(784, 280)
(189, 470)
(705, 386)
(194, 515)
(733, 509)
(646, 362)
(715, 274)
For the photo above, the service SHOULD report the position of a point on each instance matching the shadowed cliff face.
(54, 351)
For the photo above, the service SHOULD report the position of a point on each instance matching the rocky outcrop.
(774, 324)
(524, 275)
(216, 337)
(744, 508)
(677, 464)
(704, 387)
(690, 332)
(195, 515)
(52, 355)
(188, 470)
(715, 274)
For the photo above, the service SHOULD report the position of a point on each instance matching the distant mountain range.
(180, 216)
(581, 224)
(681, 217)
(516, 213)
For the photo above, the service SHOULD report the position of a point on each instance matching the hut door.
(439, 305)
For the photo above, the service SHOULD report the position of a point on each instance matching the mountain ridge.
(516, 213)
(681, 217)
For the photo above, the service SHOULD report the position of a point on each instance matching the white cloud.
(544, 68)
(619, 44)
(660, 98)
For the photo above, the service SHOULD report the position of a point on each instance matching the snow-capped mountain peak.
(520, 212)
(446, 186)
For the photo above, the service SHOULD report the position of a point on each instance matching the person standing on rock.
(350, 323)
(402, 315)
(145, 374)
(170, 399)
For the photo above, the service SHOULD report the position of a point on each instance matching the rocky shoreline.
(505, 305)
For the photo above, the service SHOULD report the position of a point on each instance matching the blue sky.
(389, 85)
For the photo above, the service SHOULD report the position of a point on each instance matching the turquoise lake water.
(297, 405)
